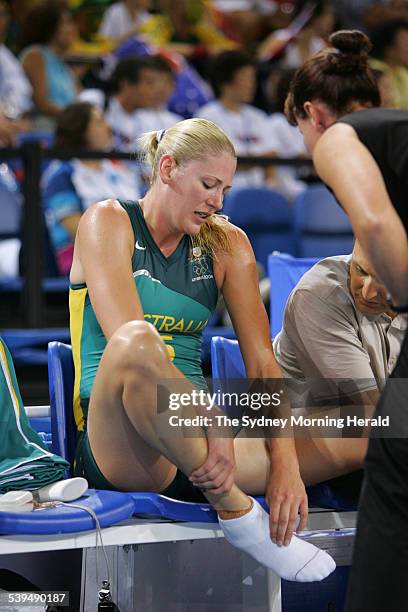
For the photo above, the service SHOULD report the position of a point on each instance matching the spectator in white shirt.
(136, 84)
(286, 139)
(15, 88)
(233, 80)
(124, 19)
(159, 117)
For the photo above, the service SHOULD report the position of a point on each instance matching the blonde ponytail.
(186, 141)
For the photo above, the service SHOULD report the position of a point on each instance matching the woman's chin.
(193, 230)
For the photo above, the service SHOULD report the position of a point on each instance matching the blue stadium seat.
(44, 137)
(321, 226)
(266, 216)
(111, 507)
(61, 375)
(28, 346)
(284, 273)
(227, 364)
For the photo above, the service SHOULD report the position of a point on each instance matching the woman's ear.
(312, 113)
(167, 165)
(319, 115)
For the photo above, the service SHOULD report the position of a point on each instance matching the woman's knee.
(137, 345)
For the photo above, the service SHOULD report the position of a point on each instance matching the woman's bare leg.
(123, 422)
(134, 452)
(319, 460)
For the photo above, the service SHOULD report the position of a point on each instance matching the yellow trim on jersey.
(9, 378)
(77, 299)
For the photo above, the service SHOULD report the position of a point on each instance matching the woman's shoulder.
(32, 54)
(237, 239)
(106, 219)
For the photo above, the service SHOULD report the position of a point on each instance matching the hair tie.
(159, 135)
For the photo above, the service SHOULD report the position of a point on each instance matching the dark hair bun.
(351, 42)
(350, 55)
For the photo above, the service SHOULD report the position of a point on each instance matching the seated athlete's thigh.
(121, 454)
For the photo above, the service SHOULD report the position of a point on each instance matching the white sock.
(300, 561)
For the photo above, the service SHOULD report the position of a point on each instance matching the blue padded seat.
(321, 227)
(209, 333)
(42, 425)
(266, 216)
(49, 285)
(27, 346)
(110, 507)
(61, 375)
(23, 338)
(156, 505)
(227, 364)
(284, 273)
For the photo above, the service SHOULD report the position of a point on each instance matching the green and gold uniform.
(25, 463)
(178, 295)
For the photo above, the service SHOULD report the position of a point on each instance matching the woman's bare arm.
(34, 67)
(357, 183)
(103, 254)
(285, 492)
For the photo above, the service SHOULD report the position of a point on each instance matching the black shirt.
(385, 134)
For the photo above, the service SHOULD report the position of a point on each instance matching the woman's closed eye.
(208, 185)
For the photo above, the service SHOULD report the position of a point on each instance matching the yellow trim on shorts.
(9, 378)
(77, 299)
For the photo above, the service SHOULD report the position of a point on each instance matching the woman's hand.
(217, 473)
(286, 498)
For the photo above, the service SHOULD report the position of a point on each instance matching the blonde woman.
(144, 281)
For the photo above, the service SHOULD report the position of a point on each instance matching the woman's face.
(200, 187)
(242, 87)
(98, 133)
(66, 31)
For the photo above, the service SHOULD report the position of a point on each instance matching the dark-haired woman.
(361, 153)
(48, 32)
(70, 187)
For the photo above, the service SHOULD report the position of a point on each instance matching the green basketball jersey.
(24, 461)
(178, 295)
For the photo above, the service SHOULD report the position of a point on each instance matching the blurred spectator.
(386, 87)
(15, 89)
(158, 117)
(390, 53)
(352, 14)
(10, 223)
(124, 19)
(185, 27)
(71, 187)
(311, 38)
(379, 12)
(48, 33)
(286, 139)
(232, 77)
(245, 21)
(139, 89)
